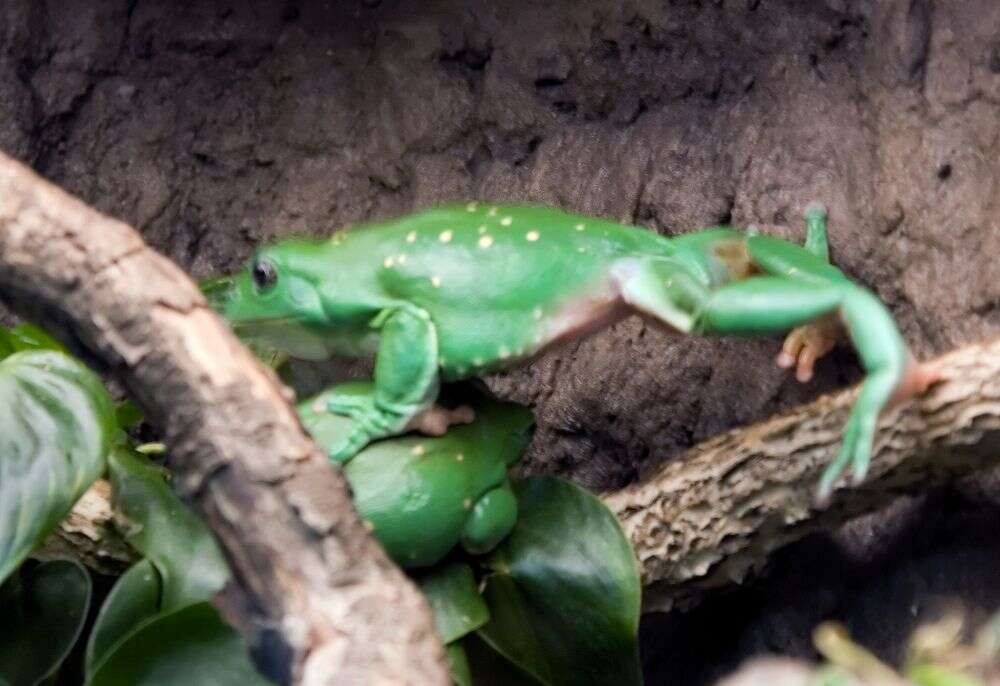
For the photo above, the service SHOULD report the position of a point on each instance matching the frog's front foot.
(350, 446)
(372, 422)
(435, 420)
(806, 344)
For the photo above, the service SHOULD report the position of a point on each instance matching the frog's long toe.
(350, 446)
(806, 344)
(435, 420)
(918, 377)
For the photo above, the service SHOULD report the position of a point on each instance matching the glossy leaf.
(490, 667)
(189, 646)
(455, 600)
(165, 531)
(134, 599)
(56, 428)
(44, 609)
(564, 590)
(128, 414)
(458, 663)
(935, 675)
(26, 337)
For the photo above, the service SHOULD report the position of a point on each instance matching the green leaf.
(27, 337)
(490, 667)
(134, 599)
(564, 590)
(935, 675)
(458, 664)
(44, 609)
(56, 428)
(164, 530)
(455, 600)
(189, 646)
(128, 414)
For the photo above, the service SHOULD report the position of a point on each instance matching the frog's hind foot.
(806, 344)
(435, 420)
(918, 377)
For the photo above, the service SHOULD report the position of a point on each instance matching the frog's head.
(512, 425)
(275, 300)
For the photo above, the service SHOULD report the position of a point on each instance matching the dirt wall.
(214, 126)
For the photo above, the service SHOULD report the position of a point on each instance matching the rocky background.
(214, 126)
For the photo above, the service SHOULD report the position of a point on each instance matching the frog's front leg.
(406, 381)
(491, 519)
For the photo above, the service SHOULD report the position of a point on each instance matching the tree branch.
(318, 600)
(712, 515)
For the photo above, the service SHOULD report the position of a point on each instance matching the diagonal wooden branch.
(318, 600)
(712, 515)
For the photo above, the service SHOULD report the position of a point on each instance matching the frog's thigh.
(491, 519)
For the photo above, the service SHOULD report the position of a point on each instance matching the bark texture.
(317, 599)
(718, 511)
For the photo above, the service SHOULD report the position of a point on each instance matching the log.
(714, 514)
(314, 595)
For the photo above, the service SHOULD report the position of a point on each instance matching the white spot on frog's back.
(481, 229)
(436, 281)
(445, 235)
(493, 212)
(388, 262)
(580, 227)
(507, 221)
(485, 241)
(471, 207)
(418, 449)
(411, 237)
(532, 236)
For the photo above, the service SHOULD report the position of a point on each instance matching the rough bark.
(318, 600)
(708, 518)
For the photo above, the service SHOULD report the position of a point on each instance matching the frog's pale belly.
(498, 339)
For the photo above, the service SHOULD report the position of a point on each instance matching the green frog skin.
(424, 495)
(465, 289)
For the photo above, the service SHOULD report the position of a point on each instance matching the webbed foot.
(855, 451)
(859, 432)
(372, 423)
(806, 344)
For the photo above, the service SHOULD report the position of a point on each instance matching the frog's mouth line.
(249, 324)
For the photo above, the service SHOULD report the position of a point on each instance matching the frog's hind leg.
(492, 518)
(767, 304)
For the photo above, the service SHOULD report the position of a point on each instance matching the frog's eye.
(265, 275)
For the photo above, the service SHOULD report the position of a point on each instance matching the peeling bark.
(714, 514)
(316, 598)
